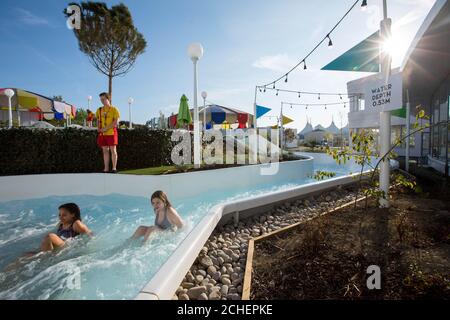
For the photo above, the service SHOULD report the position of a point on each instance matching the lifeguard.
(107, 120)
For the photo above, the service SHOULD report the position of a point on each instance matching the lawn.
(154, 170)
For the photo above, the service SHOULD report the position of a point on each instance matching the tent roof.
(332, 128)
(308, 128)
(319, 127)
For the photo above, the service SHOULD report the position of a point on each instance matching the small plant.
(321, 175)
(315, 238)
(401, 225)
(361, 151)
(420, 284)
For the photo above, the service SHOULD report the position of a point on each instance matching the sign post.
(385, 115)
(384, 94)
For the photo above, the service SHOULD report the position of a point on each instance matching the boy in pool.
(69, 226)
(166, 217)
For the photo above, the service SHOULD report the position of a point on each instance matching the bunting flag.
(260, 111)
(362, 57)
(287, 120)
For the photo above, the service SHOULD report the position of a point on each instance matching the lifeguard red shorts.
(108, 141)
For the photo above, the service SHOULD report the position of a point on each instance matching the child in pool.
(69, 226)
(166, 217)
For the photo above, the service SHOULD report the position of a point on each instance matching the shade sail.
(218, 114)
(60, 107)
(59, 116)
(363, 57)
(49, 116)
(34, 102)
(27, 101)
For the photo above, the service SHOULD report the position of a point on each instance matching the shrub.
(38, 151)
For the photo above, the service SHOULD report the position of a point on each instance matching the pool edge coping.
(169, 276)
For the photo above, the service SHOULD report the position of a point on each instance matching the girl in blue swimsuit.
(166, 217)
(69, 226)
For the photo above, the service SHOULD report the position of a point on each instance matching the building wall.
(440, 132)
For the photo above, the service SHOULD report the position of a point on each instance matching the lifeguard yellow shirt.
(106, 116)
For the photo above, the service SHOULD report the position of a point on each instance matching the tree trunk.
(110, 78)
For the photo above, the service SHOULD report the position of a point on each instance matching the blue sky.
(246, 42)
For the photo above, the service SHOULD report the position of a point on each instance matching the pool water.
(106, 266)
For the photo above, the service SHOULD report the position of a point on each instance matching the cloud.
(279, 63)
(420, 8)
(29, 18)
(223, 94)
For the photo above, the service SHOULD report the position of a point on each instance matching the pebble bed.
(218, 272)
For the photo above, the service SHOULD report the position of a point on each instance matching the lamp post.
(89, 102)
(10, 93)
(195, 52)
(130, 102)
(89, 98)
(385, 116)
(204, 96)
(282, 130)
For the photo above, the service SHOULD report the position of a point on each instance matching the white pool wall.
(167, 279)
(180, 185)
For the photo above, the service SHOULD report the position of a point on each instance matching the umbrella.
(184, 115)
(27, 101)
(219, 114)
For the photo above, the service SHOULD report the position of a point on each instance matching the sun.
(396, 46)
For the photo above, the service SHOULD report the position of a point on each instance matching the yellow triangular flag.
(287, 120)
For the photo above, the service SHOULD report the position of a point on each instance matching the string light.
(330, 43)
(324, 105)
(299, 93)
(327, 37)
(278, 92)
(364, 5)
(318, 97)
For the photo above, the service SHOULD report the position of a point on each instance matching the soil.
(328, 257)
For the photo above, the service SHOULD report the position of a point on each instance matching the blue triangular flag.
(260, 111)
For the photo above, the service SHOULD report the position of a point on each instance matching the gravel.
(218, 272)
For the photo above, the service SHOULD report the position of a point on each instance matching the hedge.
(38, 151)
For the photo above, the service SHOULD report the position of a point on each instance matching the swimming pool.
(105, 268)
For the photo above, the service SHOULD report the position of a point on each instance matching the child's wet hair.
(162, 196)
(73, 209)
